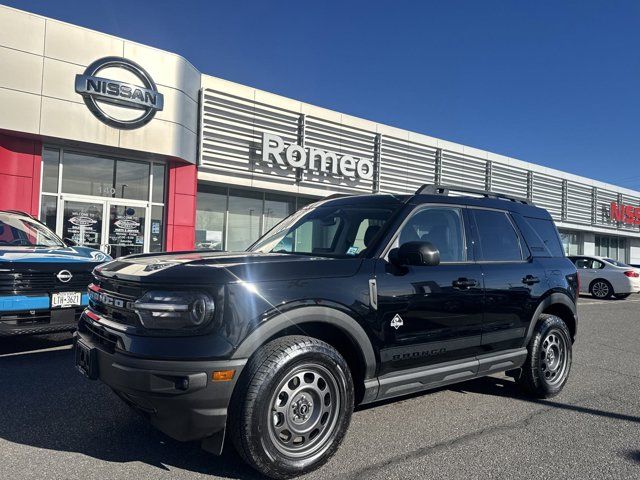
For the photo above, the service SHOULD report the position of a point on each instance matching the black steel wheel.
(292, 406)
(600, 288)
(548, 363)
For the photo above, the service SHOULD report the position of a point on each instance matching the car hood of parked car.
(192, 268)
(20, 254)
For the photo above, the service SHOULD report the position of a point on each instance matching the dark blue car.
(43, 281)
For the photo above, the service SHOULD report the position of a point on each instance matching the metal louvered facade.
(234, 120)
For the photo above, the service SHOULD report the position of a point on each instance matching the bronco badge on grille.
(109, 300)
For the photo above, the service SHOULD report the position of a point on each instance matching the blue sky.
(551, 82)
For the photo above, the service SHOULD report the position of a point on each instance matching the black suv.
(351, 300)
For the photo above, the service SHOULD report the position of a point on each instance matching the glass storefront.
(114, 204)
(571, 242)
(232, 219)
(611, 247)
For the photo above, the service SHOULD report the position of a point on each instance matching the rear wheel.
(292, 406)
(621, 296)
(547, 367)
(600, 288)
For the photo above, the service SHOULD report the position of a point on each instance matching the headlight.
(162, 310)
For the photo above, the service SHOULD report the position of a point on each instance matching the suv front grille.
(113, 300)
(42, 282)
(106, 340)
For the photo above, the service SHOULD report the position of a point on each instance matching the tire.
(544, 374)
(600, 288)
(621, 296)
(292, 385)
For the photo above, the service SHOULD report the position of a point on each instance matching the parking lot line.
(52, 349)
(605, 302)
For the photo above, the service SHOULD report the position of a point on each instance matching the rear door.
(430, 314)
(514, 281)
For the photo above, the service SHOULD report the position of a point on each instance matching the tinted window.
(587, 263)
(499, 241)
(440, 226)
(50, 166)
(546, 230)
(583, 263)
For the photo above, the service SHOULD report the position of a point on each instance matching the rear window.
(499, 241)
(546, 230)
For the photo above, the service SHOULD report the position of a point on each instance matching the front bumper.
(179, 397)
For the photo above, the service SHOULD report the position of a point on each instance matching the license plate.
(66, 299)
(86, 360)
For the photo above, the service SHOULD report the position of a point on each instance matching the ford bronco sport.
(349, 301)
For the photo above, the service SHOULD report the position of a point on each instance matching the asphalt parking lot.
(54, 424)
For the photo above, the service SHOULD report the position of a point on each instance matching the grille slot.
(42, 282)
(100, 336)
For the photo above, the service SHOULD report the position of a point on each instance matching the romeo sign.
(274, 149)
(96, 90)
(625, 213)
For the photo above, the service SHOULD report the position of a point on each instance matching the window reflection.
(233, 219)
(245, 215)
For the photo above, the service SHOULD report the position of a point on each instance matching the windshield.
(21, 231)
(616, 263)
(332, 231)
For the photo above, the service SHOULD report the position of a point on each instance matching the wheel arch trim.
(553, 299)
(312, 314)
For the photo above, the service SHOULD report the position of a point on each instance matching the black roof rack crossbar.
(432, 189)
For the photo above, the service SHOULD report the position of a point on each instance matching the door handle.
(463, 283)
(530, 280)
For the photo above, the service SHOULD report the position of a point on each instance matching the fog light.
(223, 375)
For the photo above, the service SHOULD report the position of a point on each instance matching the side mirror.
(423, 254)
(70, 243)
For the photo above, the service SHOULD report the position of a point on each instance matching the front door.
(430, 314)
(82, 222)
(117, 227)
(126, 228)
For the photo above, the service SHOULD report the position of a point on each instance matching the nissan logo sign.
(97, 90)
(64, 276)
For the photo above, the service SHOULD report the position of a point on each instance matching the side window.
(442, 226)
(583, 263)
(597, 264)
(499, 242)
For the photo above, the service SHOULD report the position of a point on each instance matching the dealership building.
(128, 148)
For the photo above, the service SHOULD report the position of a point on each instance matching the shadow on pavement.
(503, 387)
(26, 343)
(47, 404)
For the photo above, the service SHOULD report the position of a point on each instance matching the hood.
(196, 268)
(51, 255)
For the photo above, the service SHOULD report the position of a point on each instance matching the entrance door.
(117, 227)
(82, 222)
(126, 227)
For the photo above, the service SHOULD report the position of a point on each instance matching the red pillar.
(181, 206)
(20, 169)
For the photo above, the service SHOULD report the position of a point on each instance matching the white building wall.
(39, 59)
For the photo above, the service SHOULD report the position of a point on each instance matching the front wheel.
(292, 407)
(546, 370)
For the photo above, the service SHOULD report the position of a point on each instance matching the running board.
(434, 376)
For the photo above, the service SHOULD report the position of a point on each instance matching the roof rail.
(432, 189)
